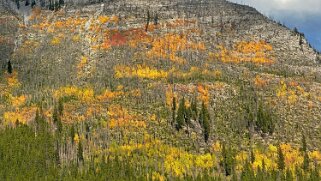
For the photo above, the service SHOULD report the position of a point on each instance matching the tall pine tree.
(80, 153)
(205, 119)
(10, 69)
(281, 163)
(180, 119)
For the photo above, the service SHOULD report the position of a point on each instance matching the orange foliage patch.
(168, 46)
(254, 52)
(109, 95)
(121, 118)
(260, 82)
(204, 95)
(117, 39)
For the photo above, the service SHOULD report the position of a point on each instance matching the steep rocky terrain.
(120, 70)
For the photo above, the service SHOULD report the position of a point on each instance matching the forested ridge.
(155, 90)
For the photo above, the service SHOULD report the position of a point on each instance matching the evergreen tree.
(228, 160)
(61, 2)
(206, 122)
(57, 157)
(80, 155)
(180, 119)
(173, 110)
(60, 107)
(156, 19)
(55, 115)
(289, 175)
(304, 144)
(281, 163)
(296, 31)
(315, 176)
(10, 69)
(87, 130)
(188, 116)
(299, 174)
(41, 125)
(57, 119)
(194, 111)
(72, 134)
(306, 162)
(264, 119)
(17, 123)
(42, 3)
(18, 4)
(33, 3)
(148, 19)
(27, 3)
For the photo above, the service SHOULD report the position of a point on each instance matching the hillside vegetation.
(156, 90)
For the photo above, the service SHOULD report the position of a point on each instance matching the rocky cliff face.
(177, 43)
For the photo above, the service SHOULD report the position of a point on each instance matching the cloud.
(303, 14)
(297, 6)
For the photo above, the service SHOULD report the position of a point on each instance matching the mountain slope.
(183, 75)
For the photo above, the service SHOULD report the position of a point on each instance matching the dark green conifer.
(18, 4)
(281, 163)
(228, 160)
(180, 119)
(80, 152)
(72, 133)
(194, 111)
(206, 122)
(10, 69)
(306, 161)
(173, 110)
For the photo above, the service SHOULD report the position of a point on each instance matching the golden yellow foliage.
(103, 19)
(315, 156)
(270, 162)
(195, 72)
(85, 94)
(76, 38)
(76, 138)
(292, 98)
(205, 161)
(282, 90)
(257, 52)
(217, 147)
(55, 41)
(241, 158)
(12, 80)
(168, 46)
(18, 101)
(110, 95)
(23, 115)
(82, 63)
(157, 177)
(204, 94)
(178, 162)
(140, 71)
(169, 96)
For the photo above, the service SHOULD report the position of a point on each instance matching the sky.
(305, 15)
